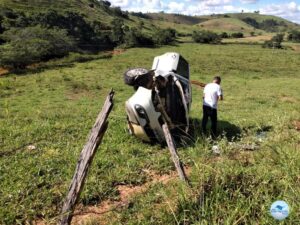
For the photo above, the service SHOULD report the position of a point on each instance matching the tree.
(270, 25)
(275, 42)
(106, 3)
(33, 44)
(294, 36)
(237, 35)
(140, 24)
(224, 35)
(205, 36)
(135, 38)
(73, 22)
(118, 33)
(164, 36)
(1, 29)
(251, 22)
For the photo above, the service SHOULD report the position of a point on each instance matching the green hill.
(226, 24)
(100, 11)
(257, 21)
(175, 18)
(92, 9)
(232, 22)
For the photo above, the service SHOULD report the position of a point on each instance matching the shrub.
(270, 25)
(164, 36)
(252, 22)
(184, 34)
(294, 36)
(140, 14)
(224, 35)
(237, 35)
(118, 12)
(83, 32)
(275, 42)
(117, 32)
(135, 38)
(33, 44)
(1, 29)
(105, 3)
(206, 37)
(128, 37)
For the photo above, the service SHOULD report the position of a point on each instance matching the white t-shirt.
(212, 92)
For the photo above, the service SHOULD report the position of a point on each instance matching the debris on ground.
(245, 147)
(216, 150)
(31, 147)
(261, 136)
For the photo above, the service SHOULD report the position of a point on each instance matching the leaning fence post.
(173, 151)
(85, 160)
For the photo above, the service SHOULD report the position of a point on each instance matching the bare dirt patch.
(3, 71)
(117, 51)
(127, 192)
(288, 99)
(296, 48)
(259, 38)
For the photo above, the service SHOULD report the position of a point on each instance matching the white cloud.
(176, 7)
(290, 11)
(248, 1)
(121, 3)
(139, 5)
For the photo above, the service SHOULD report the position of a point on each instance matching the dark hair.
(217, 78)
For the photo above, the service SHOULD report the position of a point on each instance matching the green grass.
(55, 109)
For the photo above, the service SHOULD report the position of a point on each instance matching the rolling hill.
(226, 24)
(232, 22)
(176, 18)
(101, 11)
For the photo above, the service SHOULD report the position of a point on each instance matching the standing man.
(212, 94)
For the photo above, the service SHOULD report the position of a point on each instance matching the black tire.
(130, 76)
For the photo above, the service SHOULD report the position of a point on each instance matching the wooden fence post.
(85, 160)
(173, 151)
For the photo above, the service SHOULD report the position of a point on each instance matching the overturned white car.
(163, 95)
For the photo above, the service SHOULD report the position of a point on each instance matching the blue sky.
(289, 9)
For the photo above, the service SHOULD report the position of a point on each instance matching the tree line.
(34, 37)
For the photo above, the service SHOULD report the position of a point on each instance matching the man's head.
(217, 79)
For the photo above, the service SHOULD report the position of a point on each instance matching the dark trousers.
(212, 113)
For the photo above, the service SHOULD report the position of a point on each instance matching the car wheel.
(131, 75)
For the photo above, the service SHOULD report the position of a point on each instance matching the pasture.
(54, 109)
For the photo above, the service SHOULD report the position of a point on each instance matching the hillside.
(175, 18)
(232, 22)
(280, 24)
(92, 9)
(101, 11)
(226, 24)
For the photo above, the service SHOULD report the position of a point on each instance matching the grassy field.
(54, 110)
